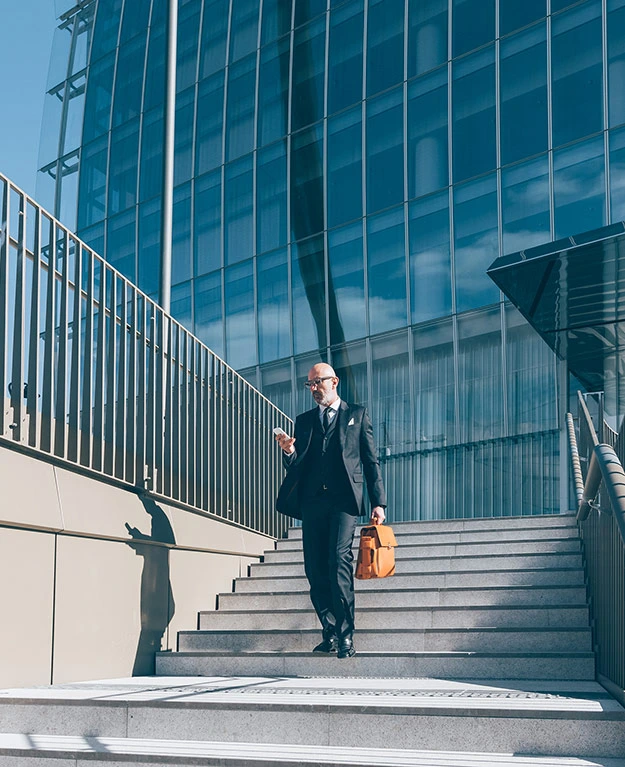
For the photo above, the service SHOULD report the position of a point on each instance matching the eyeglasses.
(316, 382)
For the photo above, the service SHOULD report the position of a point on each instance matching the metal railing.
(599, 481)
(94, 374)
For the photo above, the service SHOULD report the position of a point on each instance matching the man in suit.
(325, 459)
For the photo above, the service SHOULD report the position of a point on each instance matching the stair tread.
(410, 608)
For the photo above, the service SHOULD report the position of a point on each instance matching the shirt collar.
(334, 406)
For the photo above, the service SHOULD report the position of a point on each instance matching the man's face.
(322, 387)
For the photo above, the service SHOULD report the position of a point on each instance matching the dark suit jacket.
(357, 450)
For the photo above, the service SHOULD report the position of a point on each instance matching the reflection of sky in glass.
(525, 204)
(347, 282)
(578, 186)
(386, 271)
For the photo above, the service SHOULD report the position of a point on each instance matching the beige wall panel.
(26, 600)
(29, 494)
(196, 579)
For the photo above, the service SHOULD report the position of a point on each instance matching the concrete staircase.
(477, 652)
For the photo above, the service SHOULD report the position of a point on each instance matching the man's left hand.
(377, 515)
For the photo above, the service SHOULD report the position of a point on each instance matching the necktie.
(326, 420)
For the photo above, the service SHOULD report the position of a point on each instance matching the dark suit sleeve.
(289, 461)
(370, 463)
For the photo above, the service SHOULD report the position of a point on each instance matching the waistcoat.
(324, 470)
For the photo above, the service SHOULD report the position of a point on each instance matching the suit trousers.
(328, 534)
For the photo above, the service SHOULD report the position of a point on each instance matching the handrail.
(578, 478)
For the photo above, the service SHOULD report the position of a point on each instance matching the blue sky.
(27, 31)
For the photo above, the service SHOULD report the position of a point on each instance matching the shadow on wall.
(157, 600)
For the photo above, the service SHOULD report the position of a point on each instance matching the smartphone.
(278, 432)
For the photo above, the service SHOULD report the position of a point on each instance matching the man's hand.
(286, 443)
(377, 515)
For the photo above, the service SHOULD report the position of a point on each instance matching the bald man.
(326, 459)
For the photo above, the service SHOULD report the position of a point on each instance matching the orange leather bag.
(376, 553)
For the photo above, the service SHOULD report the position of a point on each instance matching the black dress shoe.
(346, 648)
(330, 644)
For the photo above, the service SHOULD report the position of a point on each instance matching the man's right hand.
(286, 443)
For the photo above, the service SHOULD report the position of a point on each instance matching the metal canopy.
(572, 292)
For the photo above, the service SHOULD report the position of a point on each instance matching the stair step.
(393, 618)
(443, 578)
(445, 665)
(397, 640)
(388, 597)
(443, 564)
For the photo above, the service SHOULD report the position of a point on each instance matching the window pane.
(525, 205)
(207, 229)
(345, 75)
(130, 62)
(214, 32)
(186, 54)
(385, 150)
(274, 340)
(473, 24)
(345, 167)
(92, 185)
(617, 175)
(106, 28)
(149, 253)
(240, 108)
(577, 73)
(475, 242)
(427, 35)
(135, 19)
(307, 183)
(208, 316)
(474, 115)
(99, 96)
(271, 199)
(523, 76)
(181, 238)
(308, 295)
(386, 271)
(154, 94)
(305, 10)
(514, 14)
(616, 61)
(579, 193)
(120, 242)
(239, 231)
(244, 28)
(208, 140)
(390, 409)
(183, 153)
(181, 307)
(428, 167)
(122, 182)
(273, 92)
(308, 68)
(239, 313)
(276, 19)
(430, 260)
(385, 44)
(151, 170)
(346, 285)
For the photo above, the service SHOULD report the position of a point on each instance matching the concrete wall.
(94, 579)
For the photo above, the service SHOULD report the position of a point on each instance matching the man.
(325, 460)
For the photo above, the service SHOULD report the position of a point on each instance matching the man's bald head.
(324, 393)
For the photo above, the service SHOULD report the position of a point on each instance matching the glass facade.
(345, 172)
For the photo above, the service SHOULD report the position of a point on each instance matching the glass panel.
(616, 61)
(350, 365)
(187, 49)
(75, 114)
(277, 382)
(181, 239)
(129, 83)
(386, 256)
(239, 313)
(514, 14)
(240, 108)
(273, 92)
(577, 73)
(154, 94)
(345, 73)
(430, 260)
(94, 237)
(434, 386)
(149, 254)
(617, 175)
(92, 193)
(207, 229)
(122, 181)
(346, 285)
(480, 382)
(276, 19)
(390, 407)
(106, 29)
(308, 68)
(427, 35)
(579, 188)
(474, 114)
(181, 308)
(208, 139)
(183, 152)
(151, 170)
(208, 315)
(525, 205)
(98, 99)
(244, 28)
(120, 243)
(473, 24)
(385, 44)
(523, 78)
(136, 18)
(428, 164)
(475, 242)
(307, 183)
(214, 35)
(271, 198)
(345, 167)
(308, 295)
(305, 10)
(385, 150)
(274, 337)
(239, 232)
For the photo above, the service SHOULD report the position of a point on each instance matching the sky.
(27, 31)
